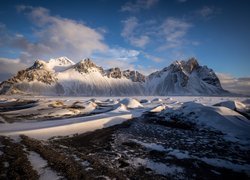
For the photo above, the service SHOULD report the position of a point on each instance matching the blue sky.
(142, 34)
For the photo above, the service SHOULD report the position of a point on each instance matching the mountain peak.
(190, 64)
(86, 66)
(87, 63)
(39, 64)
(62, 61)
(193, 61)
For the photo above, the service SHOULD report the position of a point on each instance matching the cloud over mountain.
(54, 35)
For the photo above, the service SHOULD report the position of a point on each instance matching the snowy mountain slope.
(184, 77)
(92, 81)
(62, 76)
(60, 64)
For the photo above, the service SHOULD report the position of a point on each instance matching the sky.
(145, 35)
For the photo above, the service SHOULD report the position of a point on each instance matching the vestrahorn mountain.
(62, 76)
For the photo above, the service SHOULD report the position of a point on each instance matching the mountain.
(60, 64)
(87, 79)
(184, 78)
(61, 76)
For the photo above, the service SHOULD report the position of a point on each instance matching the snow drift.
(222, 119)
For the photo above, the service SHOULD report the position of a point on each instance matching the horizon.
(145, 35)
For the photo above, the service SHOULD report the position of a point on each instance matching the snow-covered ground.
(168, 136)
(44, 117)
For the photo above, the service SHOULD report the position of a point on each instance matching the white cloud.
(174, 31)
(153, 58)
(130, 25)
(138, 5)
(236, 85)
(124, 59)
(9, 67)
(140, 41)
(132, 33)
(54, 36)
(146, 70)
(169, 34)
(117, 57)
(207, 12)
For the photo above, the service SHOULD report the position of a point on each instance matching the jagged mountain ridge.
(62, 76)
(184, 77)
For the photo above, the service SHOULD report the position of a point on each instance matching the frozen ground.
(174, 137)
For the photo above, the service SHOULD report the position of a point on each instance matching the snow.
(158, 168)
(156, 100)
(229, 122)
(233, 105)
(94, 83)
(223, 119)
(151, 146)
(179, 154)
(131, 103)
(87, 79)
(47, 129)
(120, 108)
(196, 109)
(227, 164)
(184, 78)
(60, 64)
(158, 108)
(211, 161)
(41, 166)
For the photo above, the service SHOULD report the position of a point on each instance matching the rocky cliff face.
(62, 76)
(37, 72)
(114, 73)
(87, 66)
(184, 77)
(134, 76)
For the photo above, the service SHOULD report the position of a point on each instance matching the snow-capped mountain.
(62, 76)
(87, 79)
(184, 77)
(60, 64)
